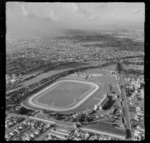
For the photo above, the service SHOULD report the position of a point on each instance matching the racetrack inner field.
(64, 90)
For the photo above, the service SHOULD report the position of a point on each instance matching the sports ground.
(68, 95)
(63, 95)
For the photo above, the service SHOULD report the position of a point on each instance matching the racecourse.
(33, 100)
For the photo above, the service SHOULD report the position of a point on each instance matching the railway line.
(125, 107)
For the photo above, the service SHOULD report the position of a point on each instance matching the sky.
(44, 17)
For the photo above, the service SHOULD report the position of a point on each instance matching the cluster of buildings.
(79, 134)
(65, 51)
(139, 116)
(30, 129)
(27, 130)
(137, 88)
(58, 133)
(12, 121)
(12, 79)
(37, 129)
(139, 133)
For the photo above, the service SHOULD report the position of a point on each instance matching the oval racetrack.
(34, 102)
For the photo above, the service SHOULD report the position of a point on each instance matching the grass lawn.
(64, 93)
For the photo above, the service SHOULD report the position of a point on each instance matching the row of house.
(12, 121)
(35, 129)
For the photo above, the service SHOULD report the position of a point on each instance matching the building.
(138, 109)
(62, 131)
(103, 103)
(142, 93)
(140, 129)
(95, 75)
(137, 135)
(96, 107)
(136, 117)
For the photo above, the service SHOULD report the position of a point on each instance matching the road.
(125, 108)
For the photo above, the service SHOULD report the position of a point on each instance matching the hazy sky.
(48, 16)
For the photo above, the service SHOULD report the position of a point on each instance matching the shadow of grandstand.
(109, 104)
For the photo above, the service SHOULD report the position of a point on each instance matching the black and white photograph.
(75, 71)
